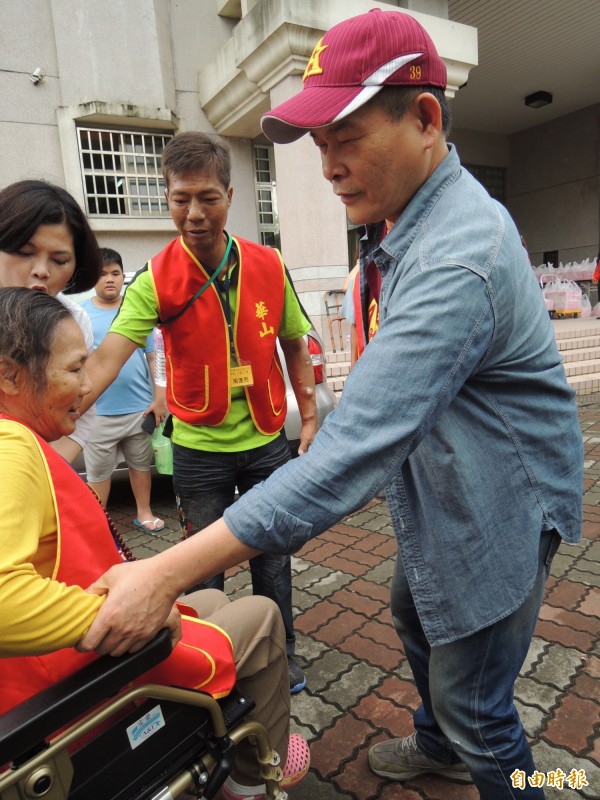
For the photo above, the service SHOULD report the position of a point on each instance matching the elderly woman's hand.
(137, 607)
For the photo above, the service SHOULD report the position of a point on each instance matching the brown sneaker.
(401, 759)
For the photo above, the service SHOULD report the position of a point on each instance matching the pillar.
(312, 220)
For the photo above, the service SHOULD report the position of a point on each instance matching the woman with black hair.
(46, 244)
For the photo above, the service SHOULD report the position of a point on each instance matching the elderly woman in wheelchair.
(229, 712)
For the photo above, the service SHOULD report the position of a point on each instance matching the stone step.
(584, 367)
(585, 340)
(337, 357)
(588, 383)
(580, 354)
(578, 342)
(339, 370)
(338, 367)
(577, 329)
(337, 384)
(585, 383)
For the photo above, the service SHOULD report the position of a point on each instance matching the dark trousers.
(466, 688)
(205, 484)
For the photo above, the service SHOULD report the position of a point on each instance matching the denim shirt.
(459, 407)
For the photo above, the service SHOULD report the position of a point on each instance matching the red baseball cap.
(350, 64)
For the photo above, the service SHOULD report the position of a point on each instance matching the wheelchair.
(90, 738)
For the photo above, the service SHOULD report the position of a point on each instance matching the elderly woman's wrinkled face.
(53, 410)
(46, 262)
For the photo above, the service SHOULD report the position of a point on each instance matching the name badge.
(241, 376)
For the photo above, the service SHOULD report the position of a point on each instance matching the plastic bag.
(160, 370)
(163, 451)
(565, 295)
(586, 306)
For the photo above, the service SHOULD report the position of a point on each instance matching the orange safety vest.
(596, 275)
(197, 347)
(85, 549)
(373, 317)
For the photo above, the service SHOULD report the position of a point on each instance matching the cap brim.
(311, 108)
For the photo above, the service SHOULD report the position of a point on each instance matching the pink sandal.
(296, 767)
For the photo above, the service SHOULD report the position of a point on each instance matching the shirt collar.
(399, 239)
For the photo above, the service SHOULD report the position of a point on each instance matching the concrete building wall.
(142, 62)
(312, 219)
(553, 181)
(477, 147)
(114, 52)
(554, 185)
(29, 144)
(135, 63)
(139, 65)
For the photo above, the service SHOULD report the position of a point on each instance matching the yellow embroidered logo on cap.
(314, 67)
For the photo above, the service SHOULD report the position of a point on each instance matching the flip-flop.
(144, 524)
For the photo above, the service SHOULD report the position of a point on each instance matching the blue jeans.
(205, 484)
(467, 688)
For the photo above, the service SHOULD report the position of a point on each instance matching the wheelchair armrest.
(27, 725)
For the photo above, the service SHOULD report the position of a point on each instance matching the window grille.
(493, 178)
(266, 197)
(550, 257)
(121, 172)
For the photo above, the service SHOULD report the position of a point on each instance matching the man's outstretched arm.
(141, 594)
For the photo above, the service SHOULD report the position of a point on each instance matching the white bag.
(565, 295)
(586, 306)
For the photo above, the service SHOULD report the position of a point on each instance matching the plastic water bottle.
(160, 369)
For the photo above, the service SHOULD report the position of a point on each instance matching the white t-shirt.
(85, 424)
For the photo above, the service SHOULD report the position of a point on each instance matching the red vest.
(203, 659)
(373, 316)
(197, 347)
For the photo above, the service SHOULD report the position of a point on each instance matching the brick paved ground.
(359, 685)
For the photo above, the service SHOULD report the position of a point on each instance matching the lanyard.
(205, 286)
(226, 303)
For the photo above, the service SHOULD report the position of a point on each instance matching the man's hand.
(302, 379)
(158, 407)
(308, 432)
(141, 595)
(138, 605)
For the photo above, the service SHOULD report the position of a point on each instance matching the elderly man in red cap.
(461, 398)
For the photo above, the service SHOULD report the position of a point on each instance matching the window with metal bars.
(493, 178)
(121, 172)
(266, 198)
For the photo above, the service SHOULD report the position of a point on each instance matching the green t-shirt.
(137, 317)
